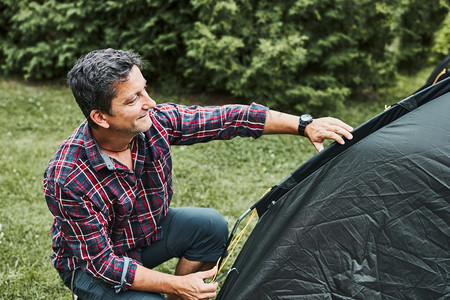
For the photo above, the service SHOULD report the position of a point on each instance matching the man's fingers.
(345, 134)
(209, 289)
(209, 273)
(333, 125)
(337, 138)
(344, 131)
(328, 128)
(318, 146)
(195, 286)
(341, 124)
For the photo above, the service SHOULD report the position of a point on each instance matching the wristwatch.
(304, 120)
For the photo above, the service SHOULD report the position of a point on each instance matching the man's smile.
(144, 115)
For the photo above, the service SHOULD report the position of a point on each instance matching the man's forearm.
(149, 280)
(280, 123)
(191, 286)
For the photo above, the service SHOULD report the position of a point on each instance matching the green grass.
(227, 175)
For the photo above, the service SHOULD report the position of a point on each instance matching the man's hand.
(317, 131)
(327, 128)
(193, 286)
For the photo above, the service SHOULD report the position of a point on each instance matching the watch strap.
(304, 120)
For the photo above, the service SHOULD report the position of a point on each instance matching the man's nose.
(149, 102)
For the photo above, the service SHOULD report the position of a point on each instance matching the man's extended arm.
(191, 286)
(317, 132)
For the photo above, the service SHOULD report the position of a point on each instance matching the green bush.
(441, 46)
(419, 21)
(43, 40)
(297, 54)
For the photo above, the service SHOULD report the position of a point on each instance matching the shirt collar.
(96, 158)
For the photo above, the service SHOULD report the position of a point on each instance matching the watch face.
(306, 118)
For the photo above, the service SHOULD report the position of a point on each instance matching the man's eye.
(134, 100)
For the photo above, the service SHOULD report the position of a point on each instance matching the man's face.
(131, 106)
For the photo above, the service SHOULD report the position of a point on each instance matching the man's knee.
(215, 223)
(210, 237)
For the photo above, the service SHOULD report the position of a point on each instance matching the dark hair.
(94, 76)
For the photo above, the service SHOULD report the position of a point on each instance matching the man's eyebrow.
(131, 96)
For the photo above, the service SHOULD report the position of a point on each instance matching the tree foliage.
(299, 54)
(418, 24)
(441, 45)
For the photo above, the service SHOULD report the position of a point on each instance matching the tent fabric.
(367, 220)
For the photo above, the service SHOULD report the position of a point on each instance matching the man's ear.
(98, 117)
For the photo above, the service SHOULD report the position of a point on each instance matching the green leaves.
(442, 39)
(302, 55)
(417, 27)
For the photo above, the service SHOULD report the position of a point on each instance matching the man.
(109, 185)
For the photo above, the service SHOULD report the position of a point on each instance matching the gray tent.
(367, 220)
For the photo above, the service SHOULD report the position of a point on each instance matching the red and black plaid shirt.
(104, 212)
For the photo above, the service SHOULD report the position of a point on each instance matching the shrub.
(418, 23)
(298, 54)
(441, 46)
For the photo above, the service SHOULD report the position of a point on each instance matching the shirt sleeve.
(86, 232)
(196, 124)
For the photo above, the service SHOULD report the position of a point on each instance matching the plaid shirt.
(105, 213)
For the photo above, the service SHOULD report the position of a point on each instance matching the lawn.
(227, 175)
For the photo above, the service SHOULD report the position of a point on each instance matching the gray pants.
(198, 234)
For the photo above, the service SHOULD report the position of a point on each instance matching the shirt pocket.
(122, 212)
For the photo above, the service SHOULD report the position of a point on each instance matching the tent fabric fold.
(367, 220)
